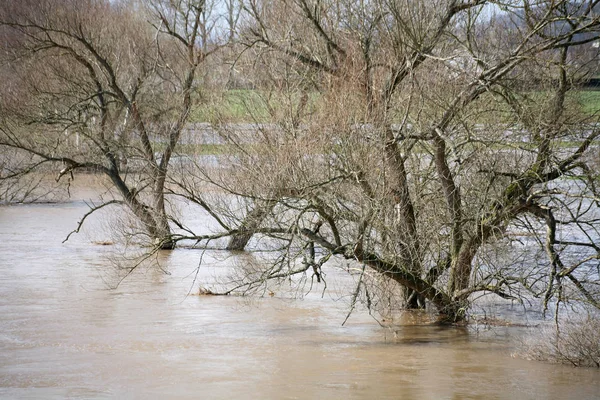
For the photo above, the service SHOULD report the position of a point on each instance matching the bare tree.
(98, 87)
(441, 132)
(437, 146)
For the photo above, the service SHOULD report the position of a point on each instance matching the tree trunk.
(246, 230)
(413, 300)
(156, 226)
(450, 309)
(163, 238)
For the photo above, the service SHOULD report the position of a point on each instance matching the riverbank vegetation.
(441, 149)
(576, 342)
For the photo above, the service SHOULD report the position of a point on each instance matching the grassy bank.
(256, 106)
(589, 100)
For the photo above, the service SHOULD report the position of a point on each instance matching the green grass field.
(250, 106)
(589, 100)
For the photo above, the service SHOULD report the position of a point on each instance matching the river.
(65, 334)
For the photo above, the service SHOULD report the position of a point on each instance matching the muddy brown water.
(64, 334)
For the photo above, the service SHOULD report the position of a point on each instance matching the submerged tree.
(435, 145)
(103, 86)
(442, 145)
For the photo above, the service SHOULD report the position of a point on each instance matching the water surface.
(64, 334)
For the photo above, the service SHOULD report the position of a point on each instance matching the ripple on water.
(63, 335)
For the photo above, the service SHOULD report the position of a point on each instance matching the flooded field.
(65, 334)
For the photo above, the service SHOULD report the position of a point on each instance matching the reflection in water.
(63, 334)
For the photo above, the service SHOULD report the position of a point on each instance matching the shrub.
(575, 342)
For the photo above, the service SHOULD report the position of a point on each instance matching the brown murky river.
(63, 334)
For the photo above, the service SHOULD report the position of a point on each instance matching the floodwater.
(65, 334)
